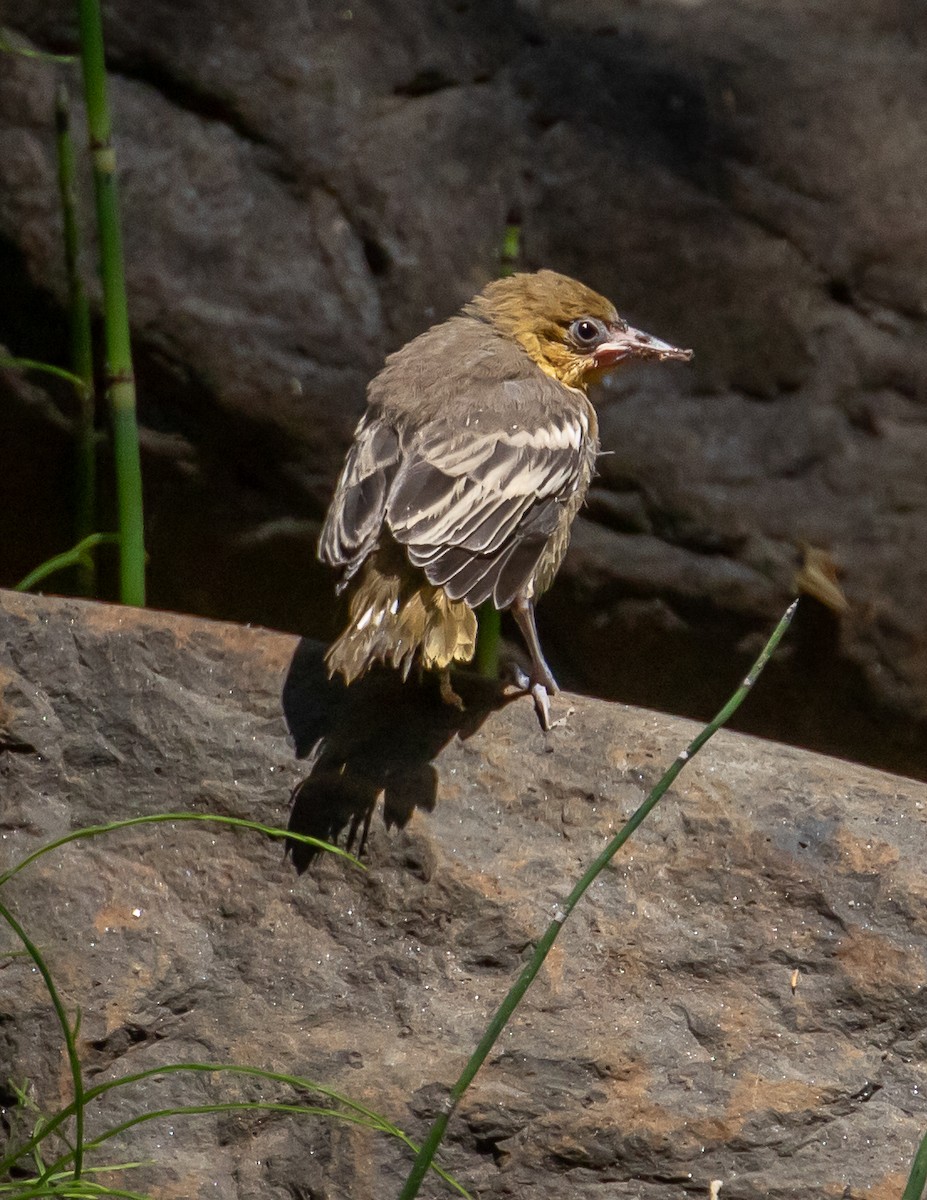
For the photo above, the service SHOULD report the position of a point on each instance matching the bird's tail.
(392, 619)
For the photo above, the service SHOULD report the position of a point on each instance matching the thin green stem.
(77, 1080)
(81, 342)
(488, 638)
(81, 1189)
(511, 250)
(31, 364)
(521, 985)
(120, 379)
(917, 1180)
(89, 831)
(68, 558)
(9, 46)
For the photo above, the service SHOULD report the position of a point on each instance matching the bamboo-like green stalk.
(120, 379)
(489, 619)
(81, 345)
(516, 992)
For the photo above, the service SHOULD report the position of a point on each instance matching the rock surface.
(305, 187)
(741, 997)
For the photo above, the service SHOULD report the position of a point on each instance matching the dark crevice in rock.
(490, 1148)
(187, 94)
(678, 528)
(377, 256)
(841, 292)
(425, 83)
(104, 1052)
(10, 744)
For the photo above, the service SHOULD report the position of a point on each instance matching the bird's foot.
(541, 679)
(448, 695)
(540, 691)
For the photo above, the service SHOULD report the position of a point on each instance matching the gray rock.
(740, 997)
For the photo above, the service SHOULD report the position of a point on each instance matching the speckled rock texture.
(307, 186)
(741, 996)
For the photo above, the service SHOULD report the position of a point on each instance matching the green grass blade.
(82, 1189)
(77, 1079)
(11, 44)
(350, 1110)
(917, 1180)
(90, 831)
(68, 558)
(32, 364)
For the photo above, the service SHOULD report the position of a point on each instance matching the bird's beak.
(632, 343)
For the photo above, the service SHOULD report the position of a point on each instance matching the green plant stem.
(90, 831)
(76, 556)
(511, 250)
(488, 636)
(77, 1080)
(917, 1180)
(120, 379)
(75, 1190)
(31, 364)
(81, 343)
(11, 43)
(516, 992)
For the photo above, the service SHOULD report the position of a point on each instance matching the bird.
(466, 471)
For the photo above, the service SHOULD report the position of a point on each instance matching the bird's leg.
(540, 683)
(448, 695)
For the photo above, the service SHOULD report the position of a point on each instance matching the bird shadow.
(378, 736)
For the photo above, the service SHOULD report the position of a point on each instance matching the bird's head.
(571, 332)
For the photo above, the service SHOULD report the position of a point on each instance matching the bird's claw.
(542, 706)
(538, 692)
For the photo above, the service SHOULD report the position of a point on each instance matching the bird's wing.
(475, 504)
(355, 516)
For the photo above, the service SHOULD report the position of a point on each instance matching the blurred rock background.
(306, 186)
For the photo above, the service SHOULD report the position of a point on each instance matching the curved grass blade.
(351, 1110)
(917, 1180)
(78, 555)
(77, 1079)
(10, 46)
(32, 364)
(90, 831)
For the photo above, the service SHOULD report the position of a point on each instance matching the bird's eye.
(586, 332)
